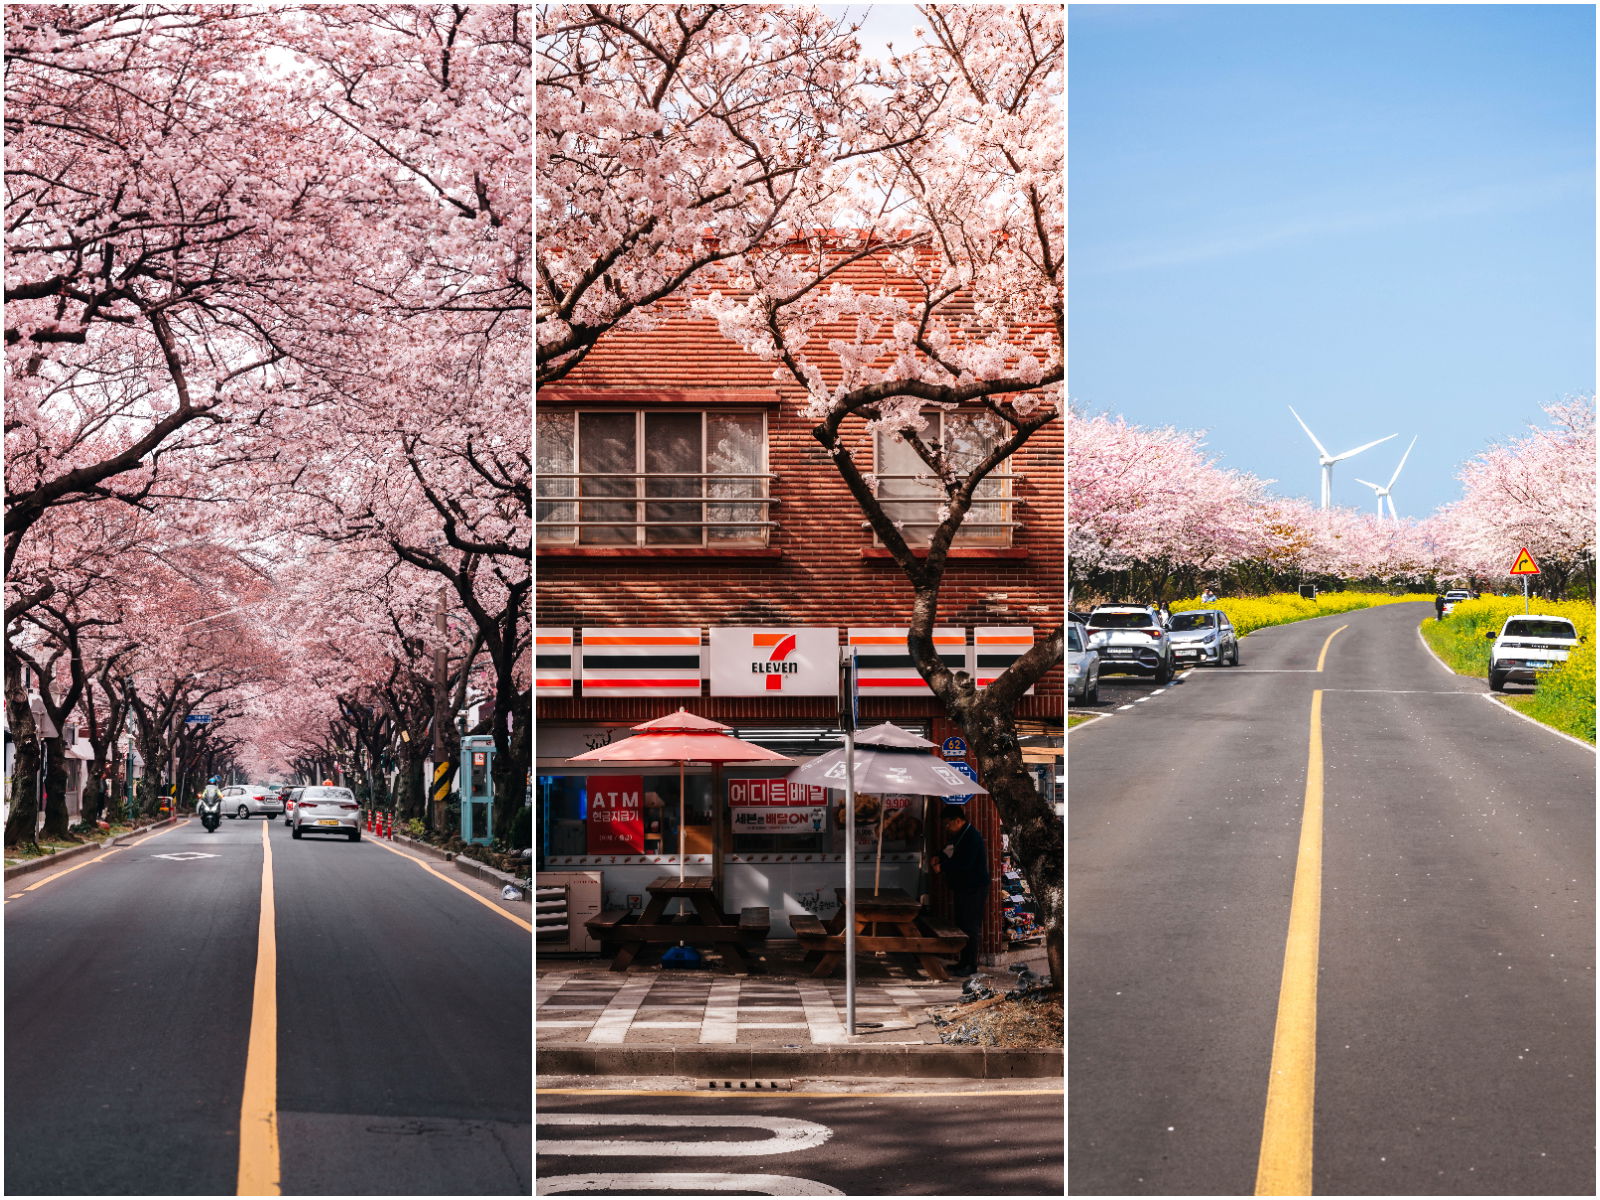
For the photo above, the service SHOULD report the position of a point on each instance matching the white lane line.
(688, 1183)
(1403, 691)
(788, 1135)
(619, 1014)
(1503, 707)
(1444, 666)
(1126, 707)
(1142, 699)
(1272, 671)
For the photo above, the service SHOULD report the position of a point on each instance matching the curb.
(467, 866)
(750, 1062)
(61, 856)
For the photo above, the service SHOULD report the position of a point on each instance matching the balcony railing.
(631, 501)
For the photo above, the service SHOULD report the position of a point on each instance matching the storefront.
(772, 844)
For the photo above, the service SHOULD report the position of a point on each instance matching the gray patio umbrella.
(882, 759)
(888, 759)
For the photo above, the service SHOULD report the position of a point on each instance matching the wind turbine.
(1327, 460)
(1385, 490)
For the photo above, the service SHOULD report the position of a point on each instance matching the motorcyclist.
(211, 798)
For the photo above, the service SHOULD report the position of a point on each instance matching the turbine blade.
(1373, 486)
(1309, 434)
(1359, 449)
(1403, 458)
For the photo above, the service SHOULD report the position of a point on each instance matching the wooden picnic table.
(888, 921)
(702, 923)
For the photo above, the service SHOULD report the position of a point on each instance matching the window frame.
(640, 502)
(1005, 501)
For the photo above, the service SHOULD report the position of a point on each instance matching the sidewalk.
(712, 1024)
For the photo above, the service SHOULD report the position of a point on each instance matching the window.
(913, 498)
(660, 477)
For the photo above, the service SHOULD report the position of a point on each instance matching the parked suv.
(1131, 638)
(1527, 645)
(1203, 635)
(245, 800)
(1454, 597)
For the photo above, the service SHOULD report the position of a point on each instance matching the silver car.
(326, 810)
(1083, 666)
(245, 800)
(1203, 635)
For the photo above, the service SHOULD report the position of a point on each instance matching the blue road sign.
(196, 719)
(970, 774)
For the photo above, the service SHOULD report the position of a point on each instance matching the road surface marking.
(789, 1134)
(1323, 657)
(721, 1020)
(1125, 708)
(1273, 670)
(97, 858)
(490, 905)
(689, 1183)
(1284, 1168)
(1500, 703)
(260, 1173)
(612, 1025)
(184, 856)
(822, 1016)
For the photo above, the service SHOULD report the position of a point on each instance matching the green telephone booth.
(477, 789)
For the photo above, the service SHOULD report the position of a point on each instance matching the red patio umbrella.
(682, 738)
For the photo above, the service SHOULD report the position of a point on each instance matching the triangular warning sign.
(1524, 564)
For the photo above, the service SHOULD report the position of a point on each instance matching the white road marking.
(1126, 707)
(184, 855)
(619, 1014)
(821, 1015)
(1492, 699)
(788, 1135)
(689, 1183)
(721, 1020)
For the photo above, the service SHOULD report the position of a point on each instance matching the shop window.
(656, 477)
(913, 498)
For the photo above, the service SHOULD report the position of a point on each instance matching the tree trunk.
(510, 771)
(24, 817)
(1031, 821)
(55, 790)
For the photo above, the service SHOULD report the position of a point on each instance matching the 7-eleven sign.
(774, 661)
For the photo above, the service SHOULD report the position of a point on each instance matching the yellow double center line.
(1284, 1168)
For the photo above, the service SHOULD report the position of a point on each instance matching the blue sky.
(1383, 215)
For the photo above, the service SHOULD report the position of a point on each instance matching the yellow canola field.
(1249, 613)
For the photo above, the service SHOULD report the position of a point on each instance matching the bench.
(943, 929)
(606, 921)
(807, 927)
(755, 920)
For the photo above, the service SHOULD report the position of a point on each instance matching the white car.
(326, 810)
(1527, 645)
(246, 800)
(1454, 597)
(1131, 638)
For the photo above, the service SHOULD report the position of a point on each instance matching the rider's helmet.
(327, 783)
(214, 779)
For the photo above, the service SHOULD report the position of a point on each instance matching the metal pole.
(680, 821)
(1524, 595)
(850, 882)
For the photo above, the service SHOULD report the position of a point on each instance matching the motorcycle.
(210, 814)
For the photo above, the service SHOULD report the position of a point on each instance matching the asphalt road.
(1454, 1007)
(921, 1142)
(402, 1013)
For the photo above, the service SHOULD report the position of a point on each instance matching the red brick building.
(687, 524)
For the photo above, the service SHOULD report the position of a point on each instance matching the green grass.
(1564, 698)
(1079, 718)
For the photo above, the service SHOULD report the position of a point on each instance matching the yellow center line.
(1323, 657)
(491, 906)
(259, 1163)
(1284, 1168)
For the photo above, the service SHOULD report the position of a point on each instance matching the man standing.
(1438, 607)
(964, 866)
